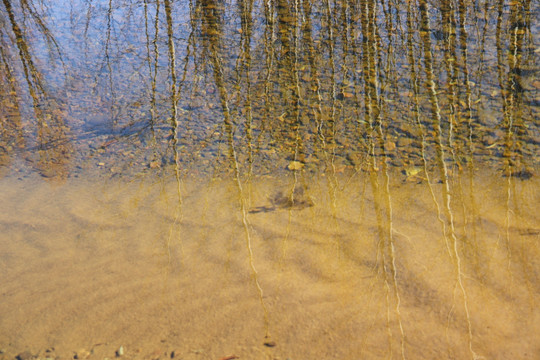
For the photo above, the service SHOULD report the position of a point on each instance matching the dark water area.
(360, 177)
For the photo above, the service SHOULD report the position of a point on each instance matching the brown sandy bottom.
(367, 272)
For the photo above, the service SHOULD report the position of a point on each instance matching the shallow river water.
(269, 179)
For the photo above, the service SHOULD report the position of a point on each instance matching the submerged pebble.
(120, 351)
(25, 355)
(82, 354)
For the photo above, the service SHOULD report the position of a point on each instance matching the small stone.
(120, 351)
(523, 174)
(354, 158)
(269, 344)
(47, 173)
(82, 354)
(389, 145)
(295, 165)
(489, 140)
(26, 355)
(403, 142)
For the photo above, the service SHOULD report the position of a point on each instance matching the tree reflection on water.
(426, 92)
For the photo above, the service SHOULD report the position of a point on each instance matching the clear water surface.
(279, 179)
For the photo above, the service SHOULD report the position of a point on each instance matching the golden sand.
(371, 270)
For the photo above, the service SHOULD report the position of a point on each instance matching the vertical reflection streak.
(519, 18)
(108, 62)
(463, 39)
(53, 149)
(370, 106)
(238, 181)
(450, 60)
(507, 121)
(511, 69)
(446, 193)
(214, 32)
(246, 8)
(333, 183)
(387, 200)
(296, 113)
(269, 39)
(174, 118)
(11, 127)
(297, 140)
(382, 198)
(314, 62)
(29, 68)
(152, 66)
(416, 101)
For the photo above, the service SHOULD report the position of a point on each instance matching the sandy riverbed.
(365, 273)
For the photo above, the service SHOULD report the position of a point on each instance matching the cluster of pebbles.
(50, 354)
